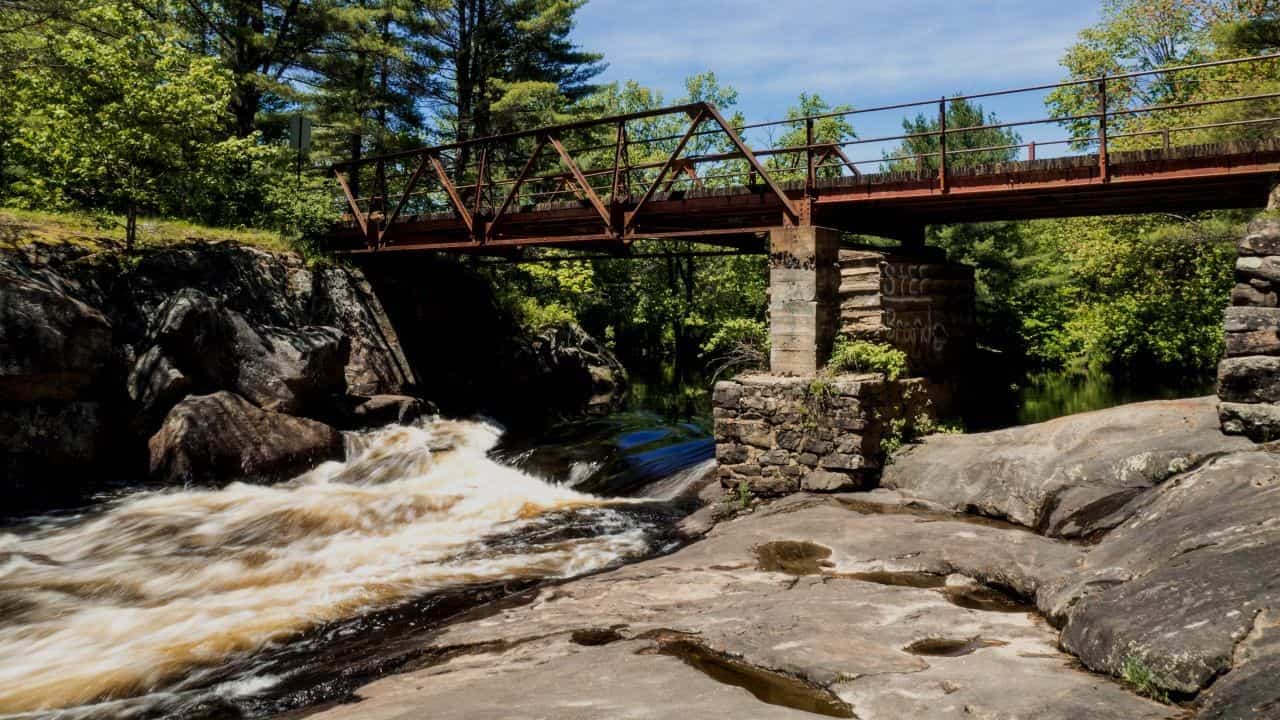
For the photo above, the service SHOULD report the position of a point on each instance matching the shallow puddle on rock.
(898, 579)
(768, 687)
(793, 557)
(596, 636)
(951, 647)
(986, 599)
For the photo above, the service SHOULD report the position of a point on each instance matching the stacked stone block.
(784, 434)
(920, 303)
(1249, 376)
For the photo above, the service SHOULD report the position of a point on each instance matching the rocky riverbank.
(213, 361)
(891, 604)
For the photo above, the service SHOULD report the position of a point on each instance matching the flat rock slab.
(809, 605)
(1065, 477)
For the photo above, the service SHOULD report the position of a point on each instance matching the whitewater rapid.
(159, 585)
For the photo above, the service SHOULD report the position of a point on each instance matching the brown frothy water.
(164, 584)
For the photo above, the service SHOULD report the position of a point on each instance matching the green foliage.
(921, 152)
(866, 356)
(736, 332)
(893, 438)
(1125, 293)
(835, 130)
(1144, 681)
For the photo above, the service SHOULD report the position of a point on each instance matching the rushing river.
(250, 599)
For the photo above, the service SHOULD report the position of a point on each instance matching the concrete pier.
(804, 298)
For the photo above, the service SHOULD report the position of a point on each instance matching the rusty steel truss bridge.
(685, 172)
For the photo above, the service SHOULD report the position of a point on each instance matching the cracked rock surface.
(845, 606)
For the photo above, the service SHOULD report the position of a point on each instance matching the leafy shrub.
(738, 344)
(866, 356)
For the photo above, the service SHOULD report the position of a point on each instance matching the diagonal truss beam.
(452, 191)
(492, 226)
(581, 180)
(698, 118)
(404, 200)
(351, 202)
(752, 160)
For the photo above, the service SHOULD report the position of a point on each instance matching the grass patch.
(101, 232)
(1143, 680)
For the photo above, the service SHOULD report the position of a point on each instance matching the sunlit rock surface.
(1065, 477)
(843, 620)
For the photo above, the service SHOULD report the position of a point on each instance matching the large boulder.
(1067, 476)
(52, 346)
(574, 371)
(1191, 573)
(289, 370)
(212, 439)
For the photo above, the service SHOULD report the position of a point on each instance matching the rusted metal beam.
(404, 199)
(582, 181)
(699, 117)
(753, 161)
(451, 191)
(351, 202)
(491, 227)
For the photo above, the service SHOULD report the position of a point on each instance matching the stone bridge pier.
(798, 427)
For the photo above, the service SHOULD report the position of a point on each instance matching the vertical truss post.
(1104, 169)
(942, 145)
(811, 170)
(1031, 151)
(482, 168)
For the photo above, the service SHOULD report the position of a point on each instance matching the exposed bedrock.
(810, 605)
(1183, 582)
(96, 353)
(1069, 477)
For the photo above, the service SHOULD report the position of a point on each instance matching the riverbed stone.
(1257, 421)
(1064, 477)
(216, 438)
(293, 370)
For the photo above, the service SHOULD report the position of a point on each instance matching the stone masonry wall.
(1249, 376)
(784, 434)
(920, 303)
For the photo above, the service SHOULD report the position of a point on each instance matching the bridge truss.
(581, 184)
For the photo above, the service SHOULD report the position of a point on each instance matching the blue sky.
(863, 52)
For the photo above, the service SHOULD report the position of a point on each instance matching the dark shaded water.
(994, 401)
